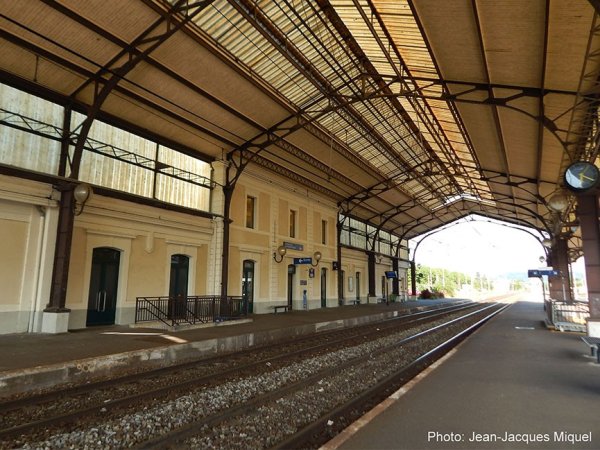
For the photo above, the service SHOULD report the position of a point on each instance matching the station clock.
(581, 176)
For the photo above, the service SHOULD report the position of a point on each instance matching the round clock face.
(581, 176)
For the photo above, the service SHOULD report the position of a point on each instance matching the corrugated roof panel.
(314, 61)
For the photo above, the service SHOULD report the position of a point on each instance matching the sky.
(480, 245)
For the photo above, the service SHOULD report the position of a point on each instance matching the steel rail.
(373, 395)
(6, 406)
(189, 430)
(206, 379)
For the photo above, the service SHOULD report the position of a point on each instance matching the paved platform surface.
(30, 361)
(512, 385)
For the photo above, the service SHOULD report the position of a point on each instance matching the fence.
(568, 316)
(189, 310)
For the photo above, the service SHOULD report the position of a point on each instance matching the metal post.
(588, 211)
(228, 194)
(62, 253)
(395, 281)
(340, 280)
(371, 270)
(413, 278)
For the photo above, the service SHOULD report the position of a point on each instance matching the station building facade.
(154, 227)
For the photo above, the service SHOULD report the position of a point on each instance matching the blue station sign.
(293, 246)
(302, 260)
(537, 273)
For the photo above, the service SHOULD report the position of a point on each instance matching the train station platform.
(512, 385)
(38, 361)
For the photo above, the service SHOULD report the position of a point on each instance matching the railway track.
(212, 392)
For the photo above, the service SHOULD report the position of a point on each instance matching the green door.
(248, 284)
(104, 280)
(178, 286)
(290, 285)
(323, 287)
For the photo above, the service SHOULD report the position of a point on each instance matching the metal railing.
(568, 316)
(189, 310)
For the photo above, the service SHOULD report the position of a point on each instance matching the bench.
(354, 302)
(594, 345)
(278, 307)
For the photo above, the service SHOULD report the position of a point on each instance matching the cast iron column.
(395, 281)
(228, 195)
(371, 270)
(340, 279)
(587, 212)
(560, 286)
(413, 278)
(62, 253)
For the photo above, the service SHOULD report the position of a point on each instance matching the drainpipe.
(228, 191)
(340, 280)
(41, 242)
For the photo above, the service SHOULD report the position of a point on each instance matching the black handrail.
(190, 310)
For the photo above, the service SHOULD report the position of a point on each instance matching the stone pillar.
(219, 176)
(587, 212)
(217, 257)
(214, 257)
(560, 286)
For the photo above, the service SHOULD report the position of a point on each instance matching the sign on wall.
(302, 260)
(293, 246)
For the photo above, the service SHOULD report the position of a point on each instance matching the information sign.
(537, 273)
(293, 246)
(302, 260)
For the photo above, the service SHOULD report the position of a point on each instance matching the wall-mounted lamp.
(559, 202)
(82, 194)
(317, 256)
(281, 251)
(547, 242)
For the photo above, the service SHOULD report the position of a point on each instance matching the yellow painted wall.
(146, 237)
(303, 225)
(316, 220)
(283, 221)
(238, 205)
(264, 212)
(13, 235)
(281, 274)
(264, 290)
(77, 297)
(234, 286)
(202, 271)
(147, 271)
(248, 236)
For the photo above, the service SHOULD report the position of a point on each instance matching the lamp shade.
(82, 192)
(559, 202)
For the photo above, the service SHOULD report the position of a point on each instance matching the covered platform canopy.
(409, 113)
